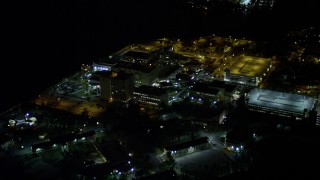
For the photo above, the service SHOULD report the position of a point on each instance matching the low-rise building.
(182, 149)
(238, 138)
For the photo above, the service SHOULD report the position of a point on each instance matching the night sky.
(45, 41)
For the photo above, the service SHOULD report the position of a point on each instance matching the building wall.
(122, 90)
(149, 100)
(105, 84)
(190, 150)
(278, 112)
(144, 78)
(240, 79)
(113, 89)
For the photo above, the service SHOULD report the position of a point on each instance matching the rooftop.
(223, 85)
(249, 66)
(279, 100)
(106, 61)
(187, 144)
(136, 54)
(111, 74)
(204, 88)
(150, 90)
(136, 67)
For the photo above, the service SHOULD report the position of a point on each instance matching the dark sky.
(47, 40)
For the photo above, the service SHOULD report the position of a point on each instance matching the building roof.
(172, 69)
(150, 90)
(112, 74)
(102, 169)
(135, 67)
(114, 152)
(223, 85)
(62, 139)
(250, 66)
(240, 134)
(168, 174)
(136, 54)
(280, 100)
(187, 144)
(204, 88)
(230, 87)
(106, 62)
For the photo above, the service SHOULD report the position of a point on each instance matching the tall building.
(150, 96)
(116, 86)
(143, 74)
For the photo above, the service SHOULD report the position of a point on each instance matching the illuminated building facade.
(150, 96)
(279, 103)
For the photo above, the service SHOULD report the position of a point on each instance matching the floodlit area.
(245, 66)
(279, 100)
(198, 163)
(245, 2)
(249, 66)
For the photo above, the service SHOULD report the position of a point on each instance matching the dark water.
(48, 40)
